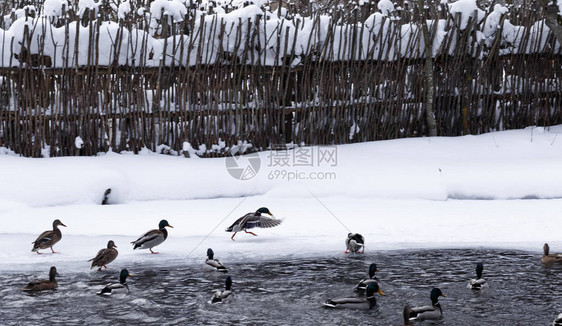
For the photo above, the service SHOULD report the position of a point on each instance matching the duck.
(105, 256)
(366, 303)
(152, 238)
(362, 286)
(557, 321)
(48, 238)
(426, 312)
(354, 243)
(220, 296)
(40, 285)
(477, 283)
(121, 287)
(213, 263)
(252, 220)
(548, 258)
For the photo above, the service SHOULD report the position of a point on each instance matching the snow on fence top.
(182, 33)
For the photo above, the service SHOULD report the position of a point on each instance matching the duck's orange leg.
(54, 252)
(232, 237)
(154, 252)
(251, 233)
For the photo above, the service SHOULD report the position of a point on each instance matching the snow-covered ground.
(500, 189)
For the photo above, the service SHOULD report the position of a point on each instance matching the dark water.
(290, 292)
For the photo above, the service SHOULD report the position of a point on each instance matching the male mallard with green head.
(366, 303)
(39, 285)
(152, 238)
(548, 258)
(362, 286)
(477, 283)
(252, 220)
(105, 256)
(48, 238)
(120, 287)
(220, 296)
(426, 312)
(213, 263)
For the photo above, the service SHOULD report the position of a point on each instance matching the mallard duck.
(121, 287)
(557, 321)
(219, 296)
(105, 256)
(252, 220)
(427, 312)
(550, 258)
(48, 239)
(214, 264)
(152, 238)
(478, 282)
(39, 285)
(357, 303)
(362, 286)
(354, 243)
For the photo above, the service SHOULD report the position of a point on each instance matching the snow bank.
(399, 194)
(504, 165)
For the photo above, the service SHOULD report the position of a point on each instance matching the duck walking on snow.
(120, 287)
(213, 263)
(426, 312)
(48, 238)
(354, 243)
(252, 220)
(362, 286)
(219, 296)
(39, 285)
(152, 238)
(105, 256)
(478, 282)
(548, 258)
(357, 303)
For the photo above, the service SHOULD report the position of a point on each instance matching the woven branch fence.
(214, 83)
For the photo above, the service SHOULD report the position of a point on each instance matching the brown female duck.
(48, 239)
(548, 258)
(105, 256)
(39, 285)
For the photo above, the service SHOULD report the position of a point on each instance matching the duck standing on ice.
(152, 238)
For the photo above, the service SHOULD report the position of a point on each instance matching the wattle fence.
(202, 81)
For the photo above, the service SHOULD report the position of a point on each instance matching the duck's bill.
(380, 292)
(443, 295)
(63, 225)
(171, 226)
(130, 275)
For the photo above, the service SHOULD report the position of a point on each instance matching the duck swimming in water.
(220, 296)
(548, 258)
(213, 263)
(477, 283)
(105, 256)
(427, 312)
(121, 287)
(152, 238)
(362, 286)
(48, 238)
(253, 220)
(40, 285)
(366, 303)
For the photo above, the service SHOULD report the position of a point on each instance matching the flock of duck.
(355, 243)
